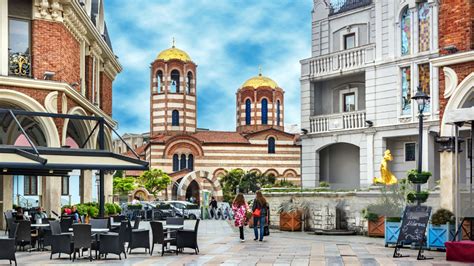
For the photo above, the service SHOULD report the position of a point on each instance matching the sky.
(227, 39)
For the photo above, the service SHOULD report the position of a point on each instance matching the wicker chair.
(187, 239)
(60, 242)
(159, 237)
(23, 234)
(8, 245)
(137, 238)
(82, 239)
(114, 243)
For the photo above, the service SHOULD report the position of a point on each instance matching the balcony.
(334, 63)
(339, 6)
(334, 122)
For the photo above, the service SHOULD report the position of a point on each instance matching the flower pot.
(414, 197)
(419, 178)
(290, 221)
(439, 234)
(392, 230)
(377, 227)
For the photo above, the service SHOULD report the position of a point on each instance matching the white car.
(186, 209)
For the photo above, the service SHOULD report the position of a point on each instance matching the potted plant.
(441, 229)
(418, 178)
(422, 196)
(291, 214)
(375, 222)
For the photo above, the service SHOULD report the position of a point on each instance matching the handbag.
(266, 230)
(256, 213)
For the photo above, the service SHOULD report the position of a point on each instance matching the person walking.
(240, 207)
(213, 205)
(260, 212)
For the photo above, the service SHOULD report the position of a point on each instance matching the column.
(447, 183)
(7, 195)
(4, 39)
(309, 164)
(51, 194)
(426, 149)
(85, 186)
(108, 187)
(370, 158)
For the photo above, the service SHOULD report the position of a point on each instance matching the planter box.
(439, 234)
(392, 230)
(466, 230)
(290, 221)
(377, 227)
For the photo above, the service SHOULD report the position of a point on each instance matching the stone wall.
(323, 207)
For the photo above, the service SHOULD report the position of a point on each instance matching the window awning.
(50, 160)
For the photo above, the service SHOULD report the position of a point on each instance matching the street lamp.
(421, 99)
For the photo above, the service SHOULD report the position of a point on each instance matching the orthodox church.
(196, 158)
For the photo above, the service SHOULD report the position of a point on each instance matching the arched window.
(159, 81)
(175, 81)
(248, 112)
(405, 26)
(264, 112)
(191, 162)
(175, 163)
(278, 112)
(188, 83)
(271, 145)
(424, 27)
(182, 163)
(175, 118)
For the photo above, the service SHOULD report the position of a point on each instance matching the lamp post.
(421, 99)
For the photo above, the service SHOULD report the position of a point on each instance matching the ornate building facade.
(196, 158)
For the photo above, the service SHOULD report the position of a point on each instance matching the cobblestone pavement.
(219, 245)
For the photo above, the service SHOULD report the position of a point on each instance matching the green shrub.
(110, 208)
(324, 184)
(118, 210)
(93, 211)
(442, 216)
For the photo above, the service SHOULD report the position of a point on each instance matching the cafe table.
(169, 228)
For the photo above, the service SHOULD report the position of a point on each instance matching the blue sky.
(227, 39)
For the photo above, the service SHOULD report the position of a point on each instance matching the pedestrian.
(76, 217)
(260, 212)
(213, 205)
(240, 207)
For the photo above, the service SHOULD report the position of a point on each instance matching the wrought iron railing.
(19, 64)
(339, 6)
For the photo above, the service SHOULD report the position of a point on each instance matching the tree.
(245, 181)
(123, 185)
(154, 181)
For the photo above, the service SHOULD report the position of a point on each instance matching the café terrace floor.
(219, 245)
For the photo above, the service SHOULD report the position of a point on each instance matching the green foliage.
(369, 215)
(245, 181)
(412, 196)
(110, 208)
(442, 216)
(123, 185)
(324, 184)
(134, 206)
(93, 211)
(418, 178)
(154, 181)
(292, 205)
(118, 210)
(118, 173)
(282, 183)
(391, 202)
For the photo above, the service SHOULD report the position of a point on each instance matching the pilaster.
(85, 186)
(4, 39)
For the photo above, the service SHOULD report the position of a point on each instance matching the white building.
(368, 58)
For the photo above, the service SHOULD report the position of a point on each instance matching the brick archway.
(204, 180)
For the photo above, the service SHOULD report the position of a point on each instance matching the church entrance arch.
(194, 183)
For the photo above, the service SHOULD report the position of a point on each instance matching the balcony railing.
(341, 121)
(345, 60)
(339, 6)
(19, 64)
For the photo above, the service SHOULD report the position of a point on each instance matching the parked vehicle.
(155, 210)
(186, 209)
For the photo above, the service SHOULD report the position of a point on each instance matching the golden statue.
(386, 177)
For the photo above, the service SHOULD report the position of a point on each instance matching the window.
(405, 26)
(424, 82)
(159, 81)
(264, 112)
(19, 47)
(175, 118)
(182, 163)
(175, 163)
(349, 41)
(271, 145)
(406, 91)
(30, 185)
(188, 84)
(410, 152)
(191, 162)
(349, 102)
(175, 81)
(423, 27)
(278, 112)
(248, 112)
(65, 185)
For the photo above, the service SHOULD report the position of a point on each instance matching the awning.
(51, 160)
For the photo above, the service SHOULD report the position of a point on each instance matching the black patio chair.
(187, 239)
(8, 215)
(136, 222)
(24, 236)
(174, 221)
(82, 239)
(119, 218)
(8, 246)
(159, 237)
(114, 243)
(137, 238)
(10, 221)
(66, 223)
(60, 242)
(99, 223)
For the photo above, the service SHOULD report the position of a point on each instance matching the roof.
(220, 137)
(260, 81)
(139, 150)
(174, 53)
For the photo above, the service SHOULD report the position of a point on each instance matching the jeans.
(241, 230)
(260, 222)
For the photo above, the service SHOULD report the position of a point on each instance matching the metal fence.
(339, 6)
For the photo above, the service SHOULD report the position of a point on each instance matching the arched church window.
(271, 145)
(264, 112)
(175, 118)
(248, 112)
(278, 113)
(423, 27)
(191, 162)
(405, 26)
(175, 163)
(159, 81)
(182, 163)
(175, 81)
(188, 83)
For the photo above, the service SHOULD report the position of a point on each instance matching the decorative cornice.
(457, 58)
(110, 70)
(74, 25)
(48, 10)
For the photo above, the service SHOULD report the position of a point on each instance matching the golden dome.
(173, 53)
(260, 81)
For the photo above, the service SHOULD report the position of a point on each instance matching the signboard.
(413, 228)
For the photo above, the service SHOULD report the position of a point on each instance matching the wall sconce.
(48, 75)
